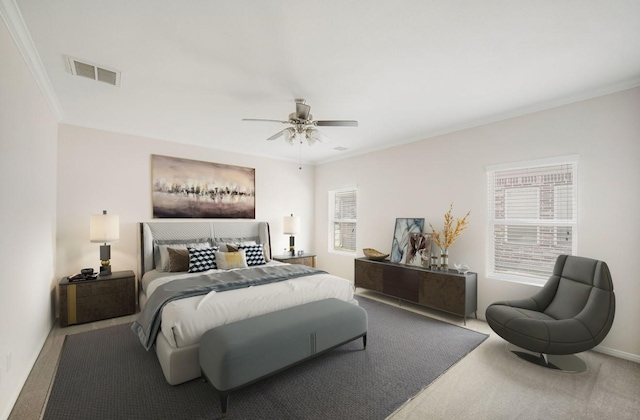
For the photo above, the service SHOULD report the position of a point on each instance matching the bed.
(183, 321)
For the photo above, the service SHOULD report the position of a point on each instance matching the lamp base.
(105, 256)
(292, 248)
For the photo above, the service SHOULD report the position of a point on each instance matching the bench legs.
(224, 401)
(224, 396)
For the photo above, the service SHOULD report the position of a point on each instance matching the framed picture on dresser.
(404, 227)
(418, 246)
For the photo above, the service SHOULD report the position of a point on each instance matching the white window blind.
(532, 217)
(343, 216)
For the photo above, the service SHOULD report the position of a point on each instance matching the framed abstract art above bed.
(185, 188)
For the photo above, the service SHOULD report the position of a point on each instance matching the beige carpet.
(491, 383)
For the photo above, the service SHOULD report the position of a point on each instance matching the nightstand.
(304, 259)
(92, 300)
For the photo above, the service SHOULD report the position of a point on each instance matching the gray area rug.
(106, 374)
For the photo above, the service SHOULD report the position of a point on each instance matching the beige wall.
(423, 178)
(27, 220)
(101, 170)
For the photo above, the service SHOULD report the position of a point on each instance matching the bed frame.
(181, 364)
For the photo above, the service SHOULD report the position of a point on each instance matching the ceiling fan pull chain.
(300, 164)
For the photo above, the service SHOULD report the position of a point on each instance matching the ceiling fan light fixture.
(289, 135)
(312, 135)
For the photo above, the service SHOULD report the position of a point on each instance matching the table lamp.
(291, 227)
(104, 228)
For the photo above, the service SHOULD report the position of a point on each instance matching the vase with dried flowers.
(448, 235)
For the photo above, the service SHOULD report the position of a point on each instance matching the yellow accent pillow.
(229, 260)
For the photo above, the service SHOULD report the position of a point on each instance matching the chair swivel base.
(569, 363)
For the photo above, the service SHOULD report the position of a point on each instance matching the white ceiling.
(406, 70)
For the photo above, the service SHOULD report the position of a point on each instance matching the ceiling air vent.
(340, 148)
(94, 71)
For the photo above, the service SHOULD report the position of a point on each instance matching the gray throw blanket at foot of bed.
(148, 323)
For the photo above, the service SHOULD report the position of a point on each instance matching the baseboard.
(24, 376)
(617, 353)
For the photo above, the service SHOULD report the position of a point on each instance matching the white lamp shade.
(291, 225)
(104, 228)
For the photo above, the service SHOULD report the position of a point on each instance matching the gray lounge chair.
(572, 313)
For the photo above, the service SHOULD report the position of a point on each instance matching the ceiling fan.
(303, 124)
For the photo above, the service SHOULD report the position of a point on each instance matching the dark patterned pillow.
(254, 254)
(202, 259)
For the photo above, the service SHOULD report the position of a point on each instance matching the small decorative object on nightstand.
(304, 259)
(93, 299)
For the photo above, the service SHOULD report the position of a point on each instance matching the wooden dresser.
(447, 291)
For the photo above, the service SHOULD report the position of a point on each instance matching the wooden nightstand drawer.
(305, 259)
(93, 300)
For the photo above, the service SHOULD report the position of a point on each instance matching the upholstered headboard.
(217, 231)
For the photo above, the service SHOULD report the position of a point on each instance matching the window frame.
(493, 244)
(333, 220)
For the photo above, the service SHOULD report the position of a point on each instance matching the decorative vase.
(434, 262)
(444, 258)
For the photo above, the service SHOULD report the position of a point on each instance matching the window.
(531, 218)
(513, 210)
(342, 220)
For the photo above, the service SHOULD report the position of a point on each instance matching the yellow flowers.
(449, 233)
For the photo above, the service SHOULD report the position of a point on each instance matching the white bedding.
(185, 320)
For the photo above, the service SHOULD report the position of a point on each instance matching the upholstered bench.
(243, 352)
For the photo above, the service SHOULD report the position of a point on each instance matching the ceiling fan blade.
(260, 119)
(342, 123)
(322, 138)
(302, 111)
(277, 135)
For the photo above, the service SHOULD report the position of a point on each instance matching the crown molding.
(18, 29)
(514, 113)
